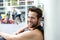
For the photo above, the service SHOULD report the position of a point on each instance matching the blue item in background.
(0, 17)
(1, 38)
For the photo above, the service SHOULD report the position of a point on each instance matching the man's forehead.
(32, 13)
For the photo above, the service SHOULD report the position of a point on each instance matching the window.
(1, 0)
(1, 3)
(30, 2)
(22, 3)
(1, 8)
(7, 0)
(21, 0)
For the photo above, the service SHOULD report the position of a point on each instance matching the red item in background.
(10, 21)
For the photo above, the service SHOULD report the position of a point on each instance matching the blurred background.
(13, 14)
(15, 11)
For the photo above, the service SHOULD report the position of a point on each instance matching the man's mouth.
(30, 23)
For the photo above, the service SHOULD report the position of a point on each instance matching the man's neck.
(36, 26)
(32, 28)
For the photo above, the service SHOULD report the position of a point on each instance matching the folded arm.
(22, 36)
(20, 30)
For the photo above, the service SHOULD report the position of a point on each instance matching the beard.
(33, 24)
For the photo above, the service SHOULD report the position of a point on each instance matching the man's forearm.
(6, 36)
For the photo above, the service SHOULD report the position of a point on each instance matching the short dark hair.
(37, 10)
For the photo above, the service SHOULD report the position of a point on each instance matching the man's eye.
(32, 17)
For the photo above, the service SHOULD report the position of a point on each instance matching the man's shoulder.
(37, 32)
(34, 35)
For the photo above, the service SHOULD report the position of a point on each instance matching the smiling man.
(33, 31)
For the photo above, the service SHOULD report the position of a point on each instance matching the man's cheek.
(30, 23)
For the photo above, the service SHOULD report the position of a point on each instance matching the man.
(17, 20)
(33, 30)
(16, 13)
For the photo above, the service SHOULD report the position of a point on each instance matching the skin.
(32, 22)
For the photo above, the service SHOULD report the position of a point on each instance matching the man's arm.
(29, 35)
(20, 30)
(25, 36)
(5, 35)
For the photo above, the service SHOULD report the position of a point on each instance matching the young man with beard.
(33, 31)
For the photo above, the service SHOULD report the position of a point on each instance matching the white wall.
(52, 20)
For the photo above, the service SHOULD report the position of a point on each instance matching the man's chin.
(29, 25)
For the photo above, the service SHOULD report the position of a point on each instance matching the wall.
(52, 20)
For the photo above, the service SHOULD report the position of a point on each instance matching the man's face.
(32, 19)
